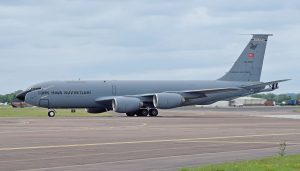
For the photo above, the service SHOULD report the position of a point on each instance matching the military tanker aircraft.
(145, 97)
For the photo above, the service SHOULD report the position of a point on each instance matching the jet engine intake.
(167, 100)
(126, 104)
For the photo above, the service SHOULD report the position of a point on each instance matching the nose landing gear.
(51, 113)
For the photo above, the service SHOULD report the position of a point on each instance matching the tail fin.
(249, 65)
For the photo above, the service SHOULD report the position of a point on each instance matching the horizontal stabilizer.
(265, 84)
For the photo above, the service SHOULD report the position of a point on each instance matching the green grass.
(41, 112)
(287, 163)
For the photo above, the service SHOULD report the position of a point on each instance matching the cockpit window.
(33, 89)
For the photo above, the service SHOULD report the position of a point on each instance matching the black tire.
(153, 112)
(131, 114)
(51, 114)
(142, 112)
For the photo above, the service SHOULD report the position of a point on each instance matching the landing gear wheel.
(130, 114)
(142, 112)
(51, 113)
(153, 112)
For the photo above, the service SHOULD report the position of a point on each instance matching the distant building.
(248, 101)
(217, 104)
(270, 103)
(239, 102)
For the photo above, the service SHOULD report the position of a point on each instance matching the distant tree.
(277, 98)
(269, 96)
(257, 95)
(9, 97)
(1, 99)
(298, 97)
(283, 97)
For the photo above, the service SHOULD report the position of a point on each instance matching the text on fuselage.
(68, 92)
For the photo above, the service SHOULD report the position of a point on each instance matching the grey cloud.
(142, 39)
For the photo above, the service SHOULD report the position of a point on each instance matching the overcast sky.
(44, 40)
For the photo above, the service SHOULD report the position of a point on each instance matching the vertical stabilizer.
(249, 64)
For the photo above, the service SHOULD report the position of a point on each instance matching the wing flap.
(190, 94)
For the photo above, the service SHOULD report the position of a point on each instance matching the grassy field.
(287, 163)
(40, 112)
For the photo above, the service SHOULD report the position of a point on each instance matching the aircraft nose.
(21, 96)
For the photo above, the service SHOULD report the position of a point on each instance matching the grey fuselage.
(83, 94)
(143, 98)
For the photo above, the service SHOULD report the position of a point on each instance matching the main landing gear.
(143, 113)
(51, 113)
(153, 112)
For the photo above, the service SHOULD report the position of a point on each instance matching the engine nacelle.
(95, 110)
(167, 100)
(126, 104)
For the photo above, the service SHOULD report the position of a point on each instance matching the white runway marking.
(282, 116)
(141, 142)
(245, 142)
(59, 129)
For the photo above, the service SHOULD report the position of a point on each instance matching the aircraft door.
(44, 103)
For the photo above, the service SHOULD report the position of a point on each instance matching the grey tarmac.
(178, 138)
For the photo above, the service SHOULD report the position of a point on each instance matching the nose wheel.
(51, 113)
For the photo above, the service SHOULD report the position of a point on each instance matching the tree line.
(8, 97)
(278, 98)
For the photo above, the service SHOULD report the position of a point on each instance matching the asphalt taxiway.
(178, 138)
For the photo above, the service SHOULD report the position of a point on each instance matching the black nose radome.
(21, 96)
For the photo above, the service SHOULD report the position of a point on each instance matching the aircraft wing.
(188, 94)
